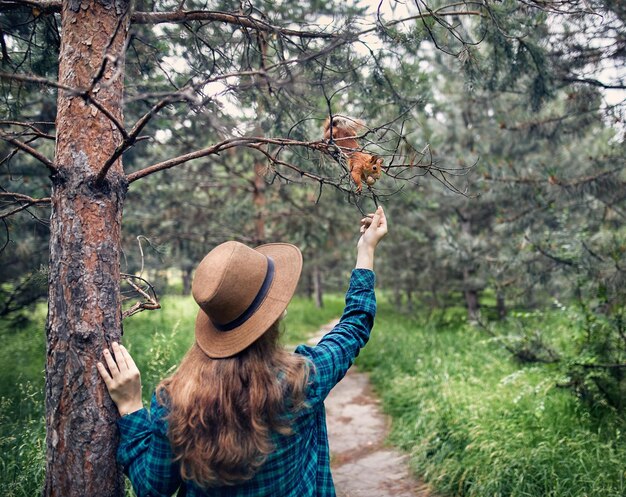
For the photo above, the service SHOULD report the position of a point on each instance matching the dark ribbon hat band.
(260, 297)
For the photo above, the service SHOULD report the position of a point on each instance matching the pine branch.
(237, 19)
(31, 151)
(553, 180)
(84, 94)
(129, 140)
(595, 82)
(50, 6)
(243, 20)
(18, 197)
(23, 198)
(185, 93)
(555, 258)
(31, 126)
(215, 149)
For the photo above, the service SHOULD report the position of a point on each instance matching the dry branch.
(24, 200)
(31, 151)
(82, 93)
(31, 126)
(218, 147)
(151, 302)
(43, 5)
(235, 18)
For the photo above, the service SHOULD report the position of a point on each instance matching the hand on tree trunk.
(122, 379)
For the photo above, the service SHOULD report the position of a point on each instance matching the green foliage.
(158, 339)
(22, 427)
(22, 361)
(477, 423)
(22, 442)
(303, 319)
(16, 298)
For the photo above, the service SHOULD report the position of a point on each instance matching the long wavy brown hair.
(223, 411)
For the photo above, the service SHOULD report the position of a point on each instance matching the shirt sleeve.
(334, 354)
(145, 452)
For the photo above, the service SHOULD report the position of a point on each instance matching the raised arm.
(373, 230)
(336, 351)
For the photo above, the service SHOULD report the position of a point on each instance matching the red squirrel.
(363, 166)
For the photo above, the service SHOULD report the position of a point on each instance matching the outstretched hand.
(373, 229)
(122, 379)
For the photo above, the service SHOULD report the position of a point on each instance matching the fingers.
(374, 225)
(104, 373)
(120, 359)
(382, 220)
(365, 223)
(118, 363)
(376, 217)
(111, 364)
(129, 360)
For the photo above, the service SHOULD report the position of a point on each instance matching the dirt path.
(362, 464)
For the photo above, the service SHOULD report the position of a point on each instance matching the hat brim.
(287, 268)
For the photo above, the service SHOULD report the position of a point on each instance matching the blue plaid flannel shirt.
(300, 464)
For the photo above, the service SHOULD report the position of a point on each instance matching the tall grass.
(22, 428)
(477, 423)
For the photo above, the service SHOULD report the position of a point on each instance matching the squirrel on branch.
(363, 167)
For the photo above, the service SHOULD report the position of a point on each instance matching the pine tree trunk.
(470, 293)
(472, 303)
(309, 285)
(397, 298)
(500, 304)
(84, 314)
(187, 273)
(318, 288)
(259, 202)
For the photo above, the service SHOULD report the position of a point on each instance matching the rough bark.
(84, 313)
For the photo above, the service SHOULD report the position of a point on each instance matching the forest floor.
(363, 465)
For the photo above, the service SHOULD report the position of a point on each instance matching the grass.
(476, 423)
(303, 319)
(22, 428)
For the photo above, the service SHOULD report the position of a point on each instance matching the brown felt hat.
(241, 292)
